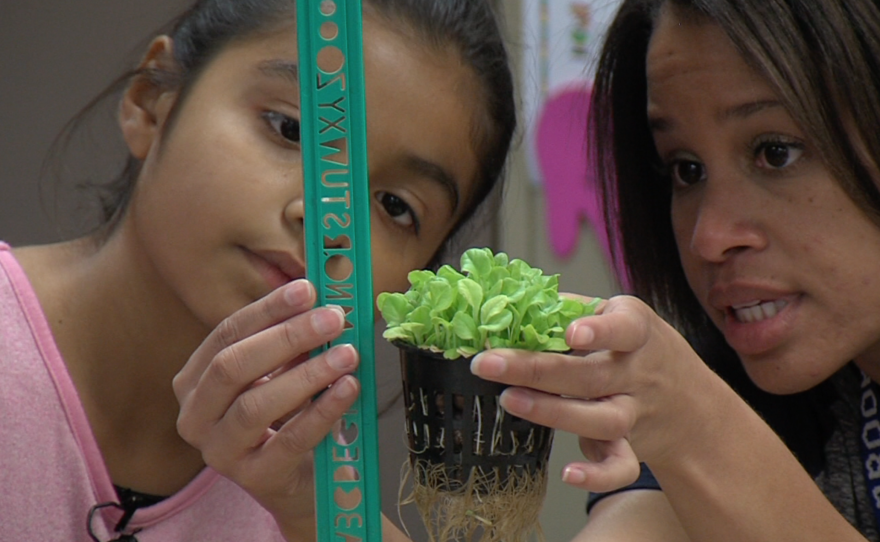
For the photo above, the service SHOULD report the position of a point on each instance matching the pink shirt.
(51, 470)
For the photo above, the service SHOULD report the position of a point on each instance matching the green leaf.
(442, 295)
(449, 273)
(590, 308)
(467, 351)
(492, 302)
(471, 291)
(452, 353)
(419, 277)
(499, 323)
(397, 334)
(394, 307)
(571, 308)
(497, 342)
(557, 345)
(416, 330)
(492, 307)
(421, 315)
(477, 262)
(464, 327)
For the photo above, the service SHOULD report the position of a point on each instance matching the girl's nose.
(294, 214)
(726, 222)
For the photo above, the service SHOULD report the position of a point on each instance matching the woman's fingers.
(592, 375)
(622, 326)
(604, 419)
(612, 465)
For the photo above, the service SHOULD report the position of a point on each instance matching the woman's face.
(782, 260)
(219, 204)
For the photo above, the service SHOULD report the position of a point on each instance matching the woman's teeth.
(758, 311)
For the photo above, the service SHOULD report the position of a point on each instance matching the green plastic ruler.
(337, 228)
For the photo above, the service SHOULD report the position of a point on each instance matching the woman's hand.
(632, 390)
(246, 399)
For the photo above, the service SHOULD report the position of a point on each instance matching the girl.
(202, 232)
(738, 143)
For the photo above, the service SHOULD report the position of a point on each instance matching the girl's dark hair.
(822, 57)
(466, 26)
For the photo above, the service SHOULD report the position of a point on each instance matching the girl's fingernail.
(344, 388)
(326, 321)
(517, 401)
(338, 309)
(582, 336)
(490, 365)
(573, 475)
(297, 292)
(342, 357)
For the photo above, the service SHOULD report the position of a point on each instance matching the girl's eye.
(286, 127)
(398, 210)
(687, 172)
(777, 155)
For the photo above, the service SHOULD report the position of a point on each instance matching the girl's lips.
(276, 267)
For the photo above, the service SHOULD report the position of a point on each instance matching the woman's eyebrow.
(284, 69)
(739, 111)
(438, 175)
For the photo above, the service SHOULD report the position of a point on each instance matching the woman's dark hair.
(466, 26)
(822, 57)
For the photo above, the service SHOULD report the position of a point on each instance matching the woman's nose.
(727, 221)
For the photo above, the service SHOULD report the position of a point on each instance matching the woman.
(737, 142)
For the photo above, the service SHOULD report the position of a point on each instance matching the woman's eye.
(397, 209)
(286, 127)
(687, 172)
(777, 155)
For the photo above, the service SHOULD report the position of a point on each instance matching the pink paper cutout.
(569, 184)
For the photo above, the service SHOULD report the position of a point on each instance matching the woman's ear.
(146, 104)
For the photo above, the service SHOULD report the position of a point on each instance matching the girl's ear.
(145, 105)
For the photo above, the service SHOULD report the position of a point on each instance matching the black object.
(123, 537)
(453, 418)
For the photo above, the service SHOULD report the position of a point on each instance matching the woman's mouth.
(761, 325)
(757, 311)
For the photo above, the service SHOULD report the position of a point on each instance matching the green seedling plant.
(493, 302)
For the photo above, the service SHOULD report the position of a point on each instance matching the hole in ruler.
(330, 59)
(338, 243)
(347, 500)
(328, 7)
(338, 267)
(348, 324)
(346, 474)
(329, 31)
(345, 435)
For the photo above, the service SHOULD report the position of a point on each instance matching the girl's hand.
(633, 390)
(246, 399)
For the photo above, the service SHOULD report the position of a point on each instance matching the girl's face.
(782, 260)
(219, 204)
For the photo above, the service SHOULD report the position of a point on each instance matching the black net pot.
(453, 418)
